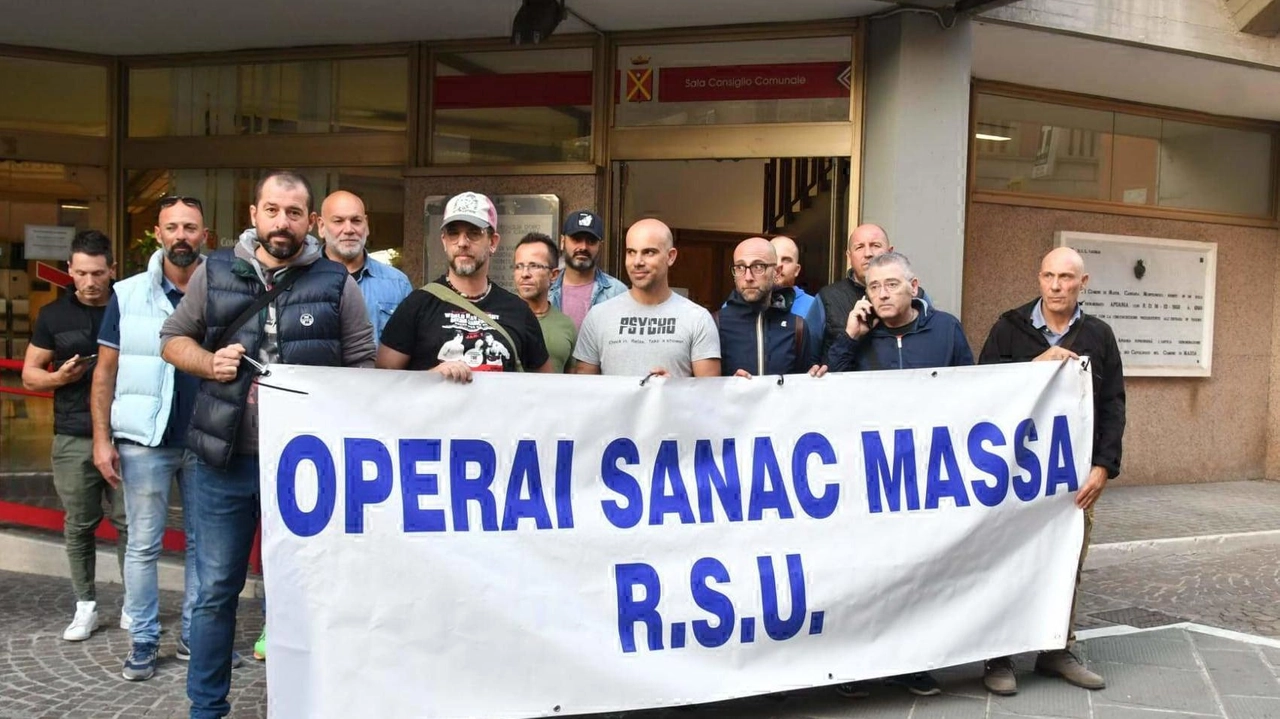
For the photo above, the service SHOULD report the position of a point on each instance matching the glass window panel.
(734, 83)
(59, 97)
(1218, 169)
(1135, 159)
(316, 96)
(513, 107)
(1041, 148)
(227, 193)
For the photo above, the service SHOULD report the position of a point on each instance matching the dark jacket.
(754, 335)
(838, 299)
(936, 340)
(1014, 339)
(309, 331)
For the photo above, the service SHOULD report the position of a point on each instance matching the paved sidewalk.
(44, 677)
(1160, 674)
(1130, 514)
(1167, 672)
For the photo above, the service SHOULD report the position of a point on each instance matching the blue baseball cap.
(583, 221)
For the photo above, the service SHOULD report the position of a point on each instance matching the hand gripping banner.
(537, 545)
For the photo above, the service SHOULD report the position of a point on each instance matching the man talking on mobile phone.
(66, 332)
(892, 328)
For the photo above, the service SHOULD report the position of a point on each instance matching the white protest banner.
(534, 545)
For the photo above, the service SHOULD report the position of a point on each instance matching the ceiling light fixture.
(993, 138)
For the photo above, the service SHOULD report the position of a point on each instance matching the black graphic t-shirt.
(432, 331)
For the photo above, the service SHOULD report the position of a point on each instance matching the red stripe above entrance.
(528, 89)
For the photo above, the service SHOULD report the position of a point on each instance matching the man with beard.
(759, 331)
(497, 330)
(343, 226)
(537, 264)
(583, 285)
(235, 318)
(649, 330)
(141, 407)
(66, 334)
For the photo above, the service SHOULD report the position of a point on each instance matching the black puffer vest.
(309, 332)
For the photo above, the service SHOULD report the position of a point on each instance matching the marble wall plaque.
(1156, 294)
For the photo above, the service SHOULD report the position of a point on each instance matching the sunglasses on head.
(170, 200)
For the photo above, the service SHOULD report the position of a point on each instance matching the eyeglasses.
(530, 267)
(455, 233)
(890, 285)
(171, 200)
(757, 269)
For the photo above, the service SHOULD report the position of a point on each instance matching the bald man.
(760, 333)
(1053, 328)
(649, 329)
(866, 243)
(805, 304)
(343, 226)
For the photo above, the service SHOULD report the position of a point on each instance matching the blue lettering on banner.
(893, 489)
(306, 448)
(988, 494)
(982, 465)
(525, 472)
(360, 491)
(415, 484)
(1026, 489)
(810, 445)
(463, 453)
(638, 589)
(726, 483)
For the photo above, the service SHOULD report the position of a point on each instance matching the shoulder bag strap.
(262, 301)
(444, 294)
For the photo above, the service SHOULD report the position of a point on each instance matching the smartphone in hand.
(85, 359)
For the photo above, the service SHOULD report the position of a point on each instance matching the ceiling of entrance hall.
(138, 27)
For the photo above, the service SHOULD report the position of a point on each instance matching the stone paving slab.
(1240, 673)
(1231, 589)
(1128, 513)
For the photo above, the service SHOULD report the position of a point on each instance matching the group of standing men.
(178, 349)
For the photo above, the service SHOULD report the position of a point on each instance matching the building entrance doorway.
(712, 205)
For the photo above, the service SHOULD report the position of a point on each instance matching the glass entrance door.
(712, 205)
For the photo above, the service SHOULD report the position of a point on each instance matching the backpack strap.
(445, 294)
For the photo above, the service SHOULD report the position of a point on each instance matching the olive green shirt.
(560, 336)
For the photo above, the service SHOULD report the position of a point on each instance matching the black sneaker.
(184, 654)
(922, 684)
(140, 665)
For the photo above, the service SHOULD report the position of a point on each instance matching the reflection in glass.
(314, 96)
(1040, 148)
(59, 97)
(513, 107)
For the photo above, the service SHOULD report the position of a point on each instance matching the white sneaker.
(126, 621)
(85, 621)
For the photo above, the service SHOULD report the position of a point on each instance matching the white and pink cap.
(471, 207)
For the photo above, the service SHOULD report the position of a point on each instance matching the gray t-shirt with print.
(623, 337)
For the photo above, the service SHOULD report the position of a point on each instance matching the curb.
(1107, 555)
(1121, 630)
(47, 556)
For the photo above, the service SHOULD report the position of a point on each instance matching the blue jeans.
(225, 506)
(148, 474)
